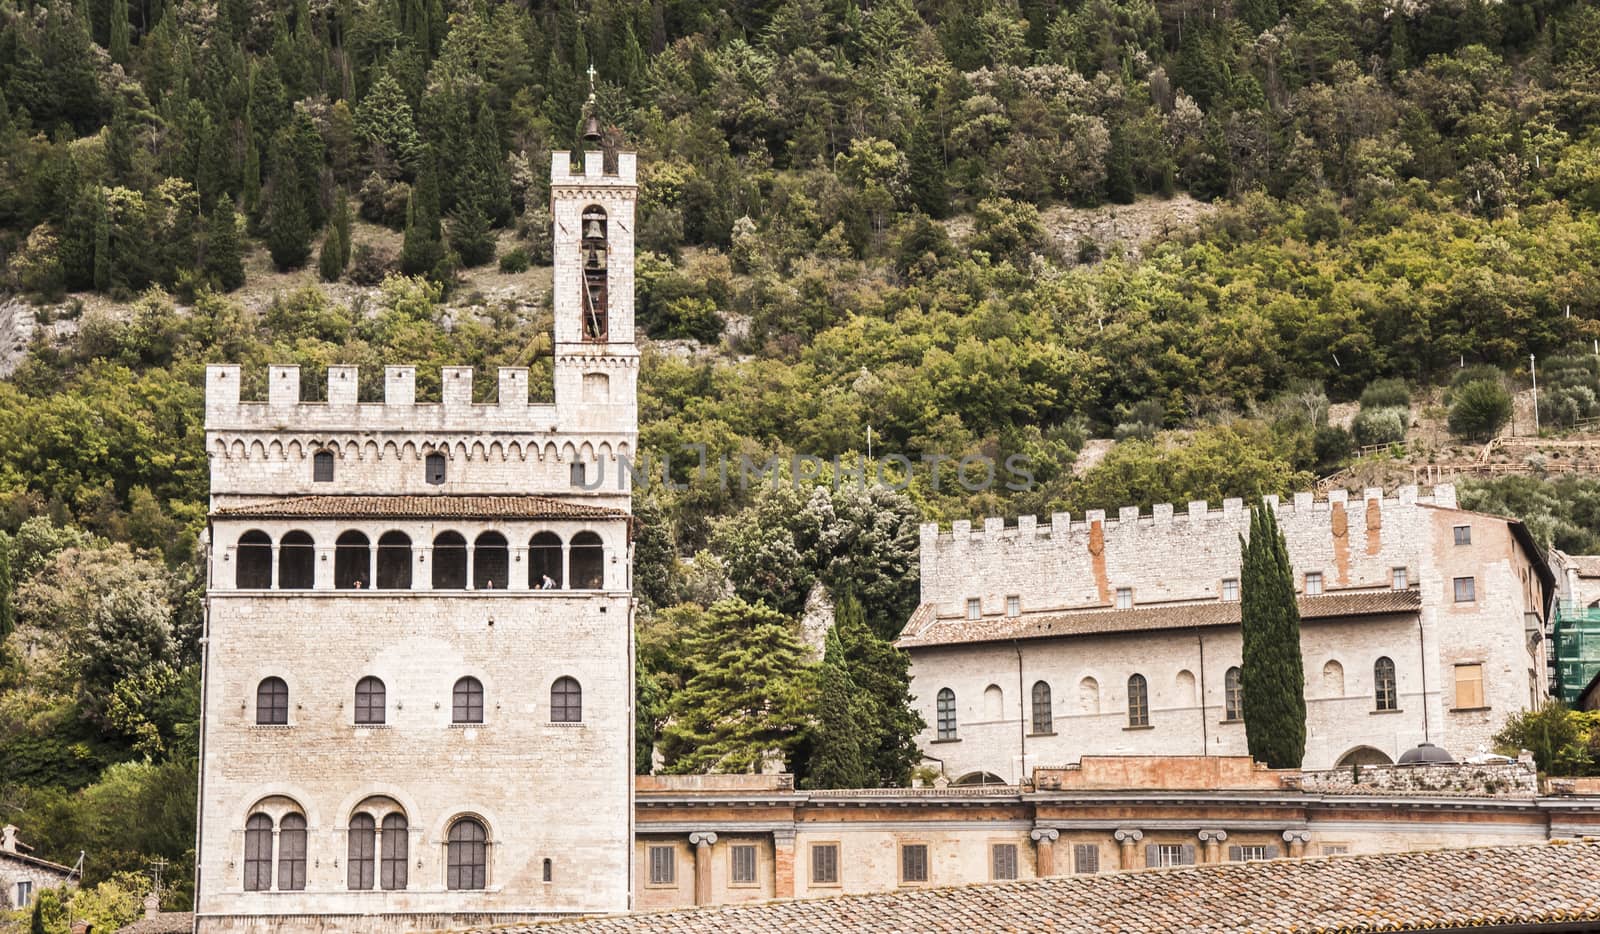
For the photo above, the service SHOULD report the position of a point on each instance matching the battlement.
(594, 169)
(1163, 515)
(400, 410)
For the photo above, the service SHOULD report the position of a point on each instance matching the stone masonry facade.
(417, 691)
(1421, 622)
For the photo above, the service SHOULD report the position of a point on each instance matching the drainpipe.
(1205, 739)
(205, 680)
(1422, 657)
(1022, 718)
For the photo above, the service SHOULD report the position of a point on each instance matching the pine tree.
(103, 268)
(119, 32)
(341, 223)
(223, 264)
(1119, 167)
(882, 675)
(838, 759)
(288, 226)
(421, 251)
(384, 118)
(250, 188)
(471, 237)
(1272, 676)
(926, 170)
(329, 265)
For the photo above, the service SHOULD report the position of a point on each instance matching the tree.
(288, 225)
(882, 677)
(384, 118)
(223, 263)
(1272, 675)
(1119, 167)
(471, 237)
(838, 759)
(103, 269)
(342, 221)
(7, 620)
(421, 250)
(119, 32)
(1479, 408)
(748, 695)
(329, 267)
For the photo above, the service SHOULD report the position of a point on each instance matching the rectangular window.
(1469, 686)
(1230, 589)
(742, 864)
(1167, 854)
(24, 893)
(1313, 584)
(1245, 854)
(1335, 849)
(578, 475)
(1013, 605)
(914, 862)
(1466, 589)
(1124, 598)
(824, 864)
(1399, 582)
(1003, 861)
(663, 865)
(974, 608)
(1085, 858)
(1463, 534)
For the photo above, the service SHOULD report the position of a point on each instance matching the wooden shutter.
(1152, 855)
(1188, 855)
(1271, 852)
(1235, 854)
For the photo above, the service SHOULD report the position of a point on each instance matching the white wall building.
(417, 706)
(1038, 644)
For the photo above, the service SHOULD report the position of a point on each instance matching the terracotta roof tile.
(167, 922)
(421, 507)
(1547, 883)
(924, 629)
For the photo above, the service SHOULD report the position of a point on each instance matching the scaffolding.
(1577, 637)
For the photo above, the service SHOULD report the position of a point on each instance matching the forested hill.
(853, 216)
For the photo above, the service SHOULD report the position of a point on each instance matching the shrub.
(1381, 426)
(515, 261)
(1474, 373)
(1331, 446)
(1563, 741)
(1479, 408)
(1386, 394)
(370, 265)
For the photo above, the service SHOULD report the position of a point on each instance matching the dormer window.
(434, 469)
(594, 256)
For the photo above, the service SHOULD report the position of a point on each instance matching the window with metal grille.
(396, 851)
(1335, 849)
(1124, 598)
(587, 561)
(394, 561)
(549, 871)
(1463, 534)
(947, 713)
(566, 701)
(467, 701)
(1383, 684)
(1043, 722)
(1230, 589)
(491, 562)
(1085, 858)
(1469, 686)
(467, 855)
(1003, 861)
(974, 608)
(369, 700)
(272, 702)
(297, 561)
(449, 561)
(361, 854)
(663, 866)
(253, 570)
(914, 862)
(1246, 854)
(1169, 854)
(322, 467)
(258, 853)
(292, 853)
(1314, 584)
(544, 562)
(824, 864)
(1232, 695)
(742, 864)
(433, 469)
(1138, 701)
(1399, 579)
(1466, 589)
(1013, 605)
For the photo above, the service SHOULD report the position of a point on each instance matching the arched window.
(394, 561)
(467, 860)
(449, 561)
(467, 701)
(1138, 701)
(1183, 686)
(254, 557)
(595, 261)
(322, 467)
(1383, 684)
(1043, 721)
(297, 561)
(352, 561)
(272, 702)
(566, 701)
(549, 872)
(292, 853)
(370, 700)
(433, 468)
(491, 562)
(588, 561)
(396, 850)
(1089, 696)
(258, 853)
(361, 850)
(947, 713)
(544, 562)
(1333, 679)
(1232, 695)
(994, 703)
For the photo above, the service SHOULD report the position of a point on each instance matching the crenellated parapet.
(592, 171)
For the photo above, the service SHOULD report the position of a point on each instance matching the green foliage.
(514, 261)
(1479, 409)
(837, 757)
(1561, 511)
(223, 263)
(329, 267)
(1244, 459)
(1271, 675)
(1563, 741)
(881, 675)
(1386, 394)
(1380, 425)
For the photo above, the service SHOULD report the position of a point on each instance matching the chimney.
(80, 927)
(8, 838)
(152, 905)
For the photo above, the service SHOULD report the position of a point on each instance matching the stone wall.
(1510, 779)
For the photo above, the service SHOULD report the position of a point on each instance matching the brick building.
(1036, 644)
(418, 656)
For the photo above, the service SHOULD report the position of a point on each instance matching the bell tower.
(596, 359)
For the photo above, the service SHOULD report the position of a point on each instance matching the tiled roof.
(418, 507)
(925, 630)
(167, 922)
(1553, 884)
(35, 861)
(1587, 565)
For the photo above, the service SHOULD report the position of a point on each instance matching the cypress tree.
(1272, 676)
(250, 190)
(102, 243)
(223, 264)
(7, 621)
(421, 251)
(288, 226)
(1119, 167)
(119, 32)
(882, 676)
(36, 923)
(926, 171)
(837, 757)
(341, 224)
(471, 237)
(329, 266)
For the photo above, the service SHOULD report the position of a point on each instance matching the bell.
(591, 130)
(593, 229)
(593, 259)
